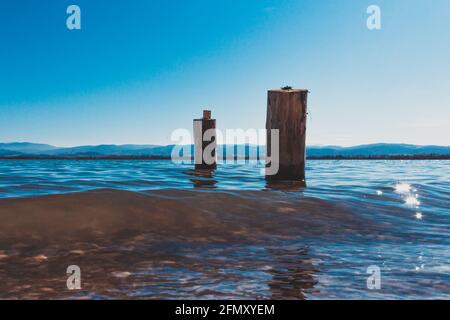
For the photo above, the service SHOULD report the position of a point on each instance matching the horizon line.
(257, 145)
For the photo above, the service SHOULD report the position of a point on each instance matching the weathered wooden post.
(286, 111)
(205, 142)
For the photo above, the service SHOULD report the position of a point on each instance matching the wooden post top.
(289, 90)
(207, 114)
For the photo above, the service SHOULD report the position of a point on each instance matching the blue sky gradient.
(140, 69)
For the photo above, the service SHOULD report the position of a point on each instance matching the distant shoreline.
(155, 158)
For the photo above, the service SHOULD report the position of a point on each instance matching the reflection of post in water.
(202, 178)
(292, 274)
(285, 185)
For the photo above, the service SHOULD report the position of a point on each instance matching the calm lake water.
(352, 215)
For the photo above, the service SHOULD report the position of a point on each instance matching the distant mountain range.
(379, 149)
(33, 150)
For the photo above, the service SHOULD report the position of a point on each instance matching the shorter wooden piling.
(205, 145)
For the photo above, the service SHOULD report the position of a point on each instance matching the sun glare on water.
(408, 193)
(402, 188)
(412, 200)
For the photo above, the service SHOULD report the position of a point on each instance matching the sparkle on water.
(411, 200)
(402, 188)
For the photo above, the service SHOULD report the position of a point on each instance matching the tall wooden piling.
(286, 111)
(205, 142)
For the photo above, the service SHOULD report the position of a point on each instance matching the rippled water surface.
(164, 230)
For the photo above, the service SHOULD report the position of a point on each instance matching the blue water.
(326, 179)
(407, 201)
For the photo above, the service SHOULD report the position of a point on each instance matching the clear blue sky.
(140, 69)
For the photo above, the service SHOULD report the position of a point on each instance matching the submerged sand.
(166, 244)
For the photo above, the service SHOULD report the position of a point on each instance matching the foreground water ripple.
(247, 238)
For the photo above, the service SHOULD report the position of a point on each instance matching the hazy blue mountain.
(109, 150)
(381, 149)
(26, 147)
